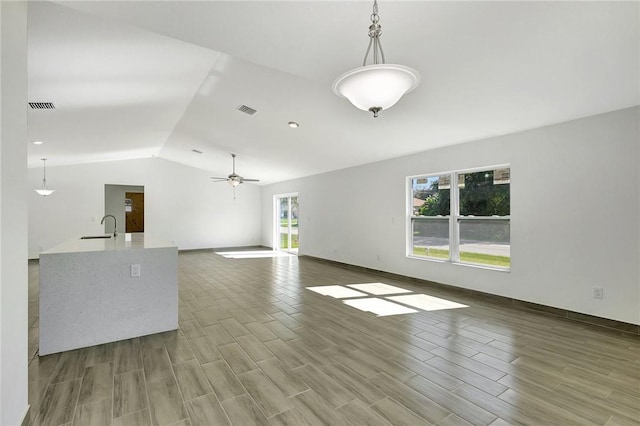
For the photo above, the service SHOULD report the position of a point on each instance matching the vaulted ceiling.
(162, 78)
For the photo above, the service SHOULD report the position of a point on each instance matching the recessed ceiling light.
(38, 142)
(293, 125)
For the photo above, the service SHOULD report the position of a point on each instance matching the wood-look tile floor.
(255, 347)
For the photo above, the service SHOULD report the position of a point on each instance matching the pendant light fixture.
(378, 86)
(44, 191)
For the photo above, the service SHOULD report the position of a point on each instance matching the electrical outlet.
(135, 270)
(598, 293)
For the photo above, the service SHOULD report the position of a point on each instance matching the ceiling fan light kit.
(378, 86)
(234, 179)
(44, 191)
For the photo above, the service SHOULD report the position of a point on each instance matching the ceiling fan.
(234, 179)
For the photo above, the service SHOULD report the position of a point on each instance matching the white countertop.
(120, 242)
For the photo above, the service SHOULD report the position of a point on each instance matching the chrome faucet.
(115, 226)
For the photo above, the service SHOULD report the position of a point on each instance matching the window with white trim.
(466, 222)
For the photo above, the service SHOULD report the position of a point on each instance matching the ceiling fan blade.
(218, 179)
(251, 180)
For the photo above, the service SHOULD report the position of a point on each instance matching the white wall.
(13, 212)
(575, 213)
(181, 204)
(114, 196)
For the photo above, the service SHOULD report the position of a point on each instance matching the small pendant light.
(44, 191)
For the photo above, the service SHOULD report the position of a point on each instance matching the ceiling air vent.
(247, 110)
(42, 105)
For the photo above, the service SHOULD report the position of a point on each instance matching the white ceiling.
(136, 79)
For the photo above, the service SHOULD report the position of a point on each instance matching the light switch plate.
(135, 270)
(598, 293)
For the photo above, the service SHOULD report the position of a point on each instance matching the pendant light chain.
(375, 31)
(44, 173)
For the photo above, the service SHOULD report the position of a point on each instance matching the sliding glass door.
(286, 223)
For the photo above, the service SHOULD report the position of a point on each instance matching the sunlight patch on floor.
(336, 291)
(426, 303)
(380, 307)
(379, 288)
(252, 254)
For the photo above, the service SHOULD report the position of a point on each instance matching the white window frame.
(454, 217)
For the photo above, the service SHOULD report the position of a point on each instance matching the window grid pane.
(430, 237)
(483, 195)
(431, 196)
(485, 242)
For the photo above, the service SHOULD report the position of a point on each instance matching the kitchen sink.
(93, 237)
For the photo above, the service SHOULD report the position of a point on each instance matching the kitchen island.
(101, 290)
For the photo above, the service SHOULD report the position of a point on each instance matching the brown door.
(134, 211)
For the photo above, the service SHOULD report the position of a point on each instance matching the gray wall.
(575, 209)
(13, 212)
